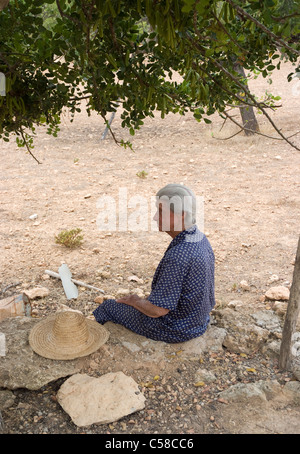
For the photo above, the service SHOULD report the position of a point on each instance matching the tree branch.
(243, 128)
(272, 35)
(229, 35)
(260, 106)
(283, 18)
(75, 21)
(27, 146)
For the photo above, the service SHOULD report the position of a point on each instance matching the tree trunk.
(293, 310)
(247, 113)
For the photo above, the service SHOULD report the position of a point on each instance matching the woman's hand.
(143, 305)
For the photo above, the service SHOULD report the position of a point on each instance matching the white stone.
(135, 279)
(244, 285)
(37, 292)
(122, 292)
(279, 293)
(204, 375)
(235, 304)
(274, 278)
(89, 400)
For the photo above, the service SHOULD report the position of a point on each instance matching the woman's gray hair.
(181, 199)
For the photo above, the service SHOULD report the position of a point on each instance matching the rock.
(22, 367)
(296, 371)
(7, 399)
(13, 306)
(135, 279)
(99, 299)
(242, 334)
(262, 391)
(235, 304)
(271, 388)
(38, 292)
(122, 292)
(244, 285)
(272, 348)
(103, 400)
(280, 308)
(131, 346)
(210, 341)
(145, 350)
(292, 390)
(103, 274)
(268, 320)
(243, 393)
(280, 293)
(247, 339)
(204, 375)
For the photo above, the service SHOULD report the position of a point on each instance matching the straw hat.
(67, 335)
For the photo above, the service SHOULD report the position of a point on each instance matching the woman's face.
(168, 221)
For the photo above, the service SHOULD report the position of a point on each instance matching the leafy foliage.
(124, 52)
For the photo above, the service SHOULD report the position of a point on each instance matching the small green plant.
(69, 238)
(142, 174)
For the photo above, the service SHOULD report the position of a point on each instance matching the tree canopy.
(54, 53)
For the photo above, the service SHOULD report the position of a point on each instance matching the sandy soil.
(251, 191)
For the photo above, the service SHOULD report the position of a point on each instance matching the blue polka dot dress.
(183, 283)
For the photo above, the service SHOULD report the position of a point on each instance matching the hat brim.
(44, 344)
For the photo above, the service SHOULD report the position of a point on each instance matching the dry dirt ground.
(251, 190)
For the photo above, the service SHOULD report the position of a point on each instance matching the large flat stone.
(21, 367)
(89, 400)
(210, 341)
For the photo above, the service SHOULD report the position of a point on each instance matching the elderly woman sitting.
(182, 290)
